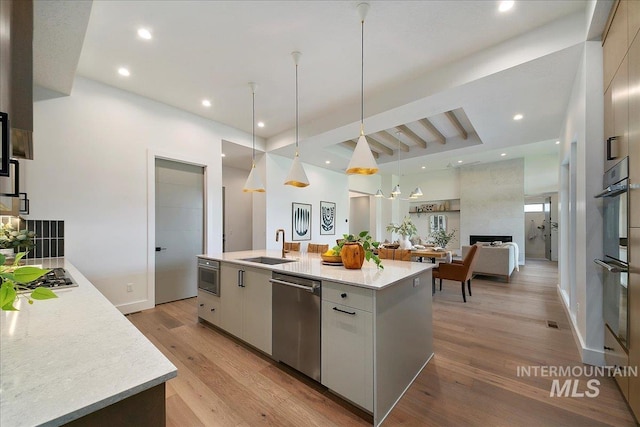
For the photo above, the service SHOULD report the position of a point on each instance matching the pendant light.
(362, 161)
(296, 177)
(253, 184)
(396, 190)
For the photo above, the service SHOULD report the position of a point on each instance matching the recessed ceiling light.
(518, 117)
(206, 103)
(503, 154)
(505, 5)
(328, 162)
(123, 72)
(260, 124)
(224, 155)
(557, 142)
(424, 167)
(144, 33)
(459, 161)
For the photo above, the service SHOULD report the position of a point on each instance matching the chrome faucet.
(277, 233)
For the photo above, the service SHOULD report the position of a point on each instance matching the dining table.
(428, 253)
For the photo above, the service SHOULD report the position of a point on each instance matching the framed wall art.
(327, 218)
(300, 221)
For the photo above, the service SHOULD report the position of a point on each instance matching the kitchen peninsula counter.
(65, 358)
(310, 265)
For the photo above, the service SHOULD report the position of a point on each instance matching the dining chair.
(395, 254)
(460, 271)
(292, 247)
(315, 248)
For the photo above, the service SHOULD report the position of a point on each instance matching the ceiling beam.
(434, 131)
(456, 123)
(352, 146)
(387, 134)
(412, 136)
(379, 146)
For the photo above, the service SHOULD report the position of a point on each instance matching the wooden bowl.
(331, 258)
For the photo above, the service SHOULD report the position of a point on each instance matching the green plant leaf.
(18, 257)
(7, 296)
(28, 274)
(43, 293)
(3, 259)
(363, 233)
(367, 256)
(7, 275)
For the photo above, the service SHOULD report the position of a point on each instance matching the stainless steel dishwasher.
(296, 323)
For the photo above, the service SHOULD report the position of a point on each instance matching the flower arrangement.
(406, 228)
(11, 238)
(441, 238)
(13, 277)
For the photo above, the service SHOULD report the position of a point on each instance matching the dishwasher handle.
(295, 285)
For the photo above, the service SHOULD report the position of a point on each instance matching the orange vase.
(352, 255)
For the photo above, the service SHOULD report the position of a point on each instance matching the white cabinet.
(245, 298)
(347, 342)
(209, 307)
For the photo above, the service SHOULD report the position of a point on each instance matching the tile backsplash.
(49, 238)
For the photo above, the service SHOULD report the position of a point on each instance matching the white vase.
(405, 243)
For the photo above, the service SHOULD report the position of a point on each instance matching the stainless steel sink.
(268, 260)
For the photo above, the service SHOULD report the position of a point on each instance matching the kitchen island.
(376, 325)
(76, 359)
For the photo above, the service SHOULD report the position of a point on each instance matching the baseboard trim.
(132, 307)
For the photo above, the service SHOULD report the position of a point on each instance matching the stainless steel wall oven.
(616, 263)
(209, 276)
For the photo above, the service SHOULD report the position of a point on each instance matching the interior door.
(179, 229)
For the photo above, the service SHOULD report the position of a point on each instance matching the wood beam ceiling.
(396, 143)
(352, 145)
(456, 123)
(434, 131)
(412, 136)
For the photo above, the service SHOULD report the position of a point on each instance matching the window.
(534, 207)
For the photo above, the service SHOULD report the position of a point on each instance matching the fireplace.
(475, 238)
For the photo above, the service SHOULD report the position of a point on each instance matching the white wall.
(492, 200)
(541, 174)
(325, 185)
(583, 129)
(359, 208)
(238, 211)
(91, 169)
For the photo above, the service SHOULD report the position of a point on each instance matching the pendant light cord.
(253, 129)
(296, 108)
(362, 78)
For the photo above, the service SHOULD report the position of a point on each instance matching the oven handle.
(295, 285)
(612, 268)
(612, 190)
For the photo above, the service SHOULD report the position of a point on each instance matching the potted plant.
(441, 238)
(353, 250)
(13, 278)
(406, 229)
(12, 239)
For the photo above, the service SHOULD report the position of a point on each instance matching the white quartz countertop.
(63, 358)
(310, 265)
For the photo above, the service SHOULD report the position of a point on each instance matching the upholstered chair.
(460, 271)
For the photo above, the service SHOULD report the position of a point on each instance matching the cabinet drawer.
(614, 355)
(209, 307)
(351, 296)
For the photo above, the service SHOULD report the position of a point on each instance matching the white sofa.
(494, 260)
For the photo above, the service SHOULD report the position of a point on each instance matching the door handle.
(611, 154)
(158, 249)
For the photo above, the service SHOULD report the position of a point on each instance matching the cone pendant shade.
(297, 177)
(362, 161)
(253, 184)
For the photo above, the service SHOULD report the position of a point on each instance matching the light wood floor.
(471, 381)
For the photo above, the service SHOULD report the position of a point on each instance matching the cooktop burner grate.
(57, 278)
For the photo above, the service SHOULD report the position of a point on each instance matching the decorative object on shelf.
(13, 277)
(441, 238)
(327, 218)
(300, 221)
(24, 204)
(354, 250)
(362, 161)
(253, 184)
(297, 177)
(406, 229)
(437, 222)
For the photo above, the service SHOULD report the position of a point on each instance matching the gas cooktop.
(57, 278)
